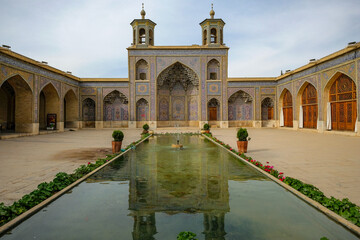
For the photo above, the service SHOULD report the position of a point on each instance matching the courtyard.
(328, 161)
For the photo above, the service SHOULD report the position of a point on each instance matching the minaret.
(212, 30)
(143, 31)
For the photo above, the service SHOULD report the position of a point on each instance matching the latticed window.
(343, 89)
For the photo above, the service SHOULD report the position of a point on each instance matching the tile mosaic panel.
(214, 88)
(142, 88)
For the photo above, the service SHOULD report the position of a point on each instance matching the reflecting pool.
(156, 192)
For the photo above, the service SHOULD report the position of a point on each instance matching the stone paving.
(330, 162)
(25, 162)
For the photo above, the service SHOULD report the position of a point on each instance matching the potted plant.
(145, 129)
(116, 144)
(206, 128)
(243, 139)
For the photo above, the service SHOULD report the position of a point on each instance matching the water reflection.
(192, 181)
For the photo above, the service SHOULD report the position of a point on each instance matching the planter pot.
(116, 146)
(242, 146)
(207, 131)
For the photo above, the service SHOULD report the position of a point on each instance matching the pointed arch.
(142, 110)
(71, 110)
(267, 109)
(142, 70)
(307, 106)
(49, 114)
(115, 109)
(19, 78)
(178, 72)
(340, 102)
(213, 69)
(88, 113)
(240, 107)
(16, 105)
(286, 109)
(177, 96)
(213, 110)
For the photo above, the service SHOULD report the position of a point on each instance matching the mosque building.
(183, 86)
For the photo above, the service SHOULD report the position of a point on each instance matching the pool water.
(156, 192)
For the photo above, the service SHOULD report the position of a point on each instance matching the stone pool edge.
(16, 221)
(350, 226)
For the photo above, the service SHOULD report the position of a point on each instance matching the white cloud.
(90, 37)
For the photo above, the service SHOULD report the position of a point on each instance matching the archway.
(71, 110)
(308, 115)
(213, 110)
(49, 114)
(287, 110)
(178, 96)
(240, 109)
(115, 110)
(88, 113)
(16, 105)
(342, 101)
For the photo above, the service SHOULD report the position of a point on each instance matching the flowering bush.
(344, 208)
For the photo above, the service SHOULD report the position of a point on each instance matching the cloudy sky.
(90, 37)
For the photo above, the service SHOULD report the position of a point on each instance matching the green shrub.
(118, 135)
(206, 126)
(186, 236)
(242, 134)
(146, 127)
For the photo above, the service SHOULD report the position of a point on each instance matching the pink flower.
(88, 163)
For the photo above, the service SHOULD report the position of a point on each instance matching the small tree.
(206, 126)
(242, 134)
(118, 135)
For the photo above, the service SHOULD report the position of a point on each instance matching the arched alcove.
(16, 105)
(71, 110)
(308, 104)
(341, 107)
(115, 110)
(178, 96)
(88, 113)
(213, 110)
(286, 112)
(141, 70)
(213, 70)
(49, 102)
(240, 109)
(142, 112)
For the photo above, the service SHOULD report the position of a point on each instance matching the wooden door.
(270, 113)
(287, 109)
(213, 113)
(343, 104)
(310, 107)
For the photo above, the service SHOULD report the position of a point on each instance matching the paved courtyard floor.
(330, 162)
